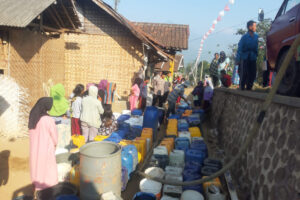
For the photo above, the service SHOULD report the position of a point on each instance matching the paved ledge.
(278, 99)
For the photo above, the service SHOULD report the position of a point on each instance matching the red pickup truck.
(284, 30)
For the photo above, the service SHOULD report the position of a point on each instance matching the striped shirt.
(178, 91)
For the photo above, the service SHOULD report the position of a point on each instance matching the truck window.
(291, 4)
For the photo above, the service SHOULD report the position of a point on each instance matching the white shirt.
(76, 107)
(223, 64)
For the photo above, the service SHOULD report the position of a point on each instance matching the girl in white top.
(223, 62)
(76, 109)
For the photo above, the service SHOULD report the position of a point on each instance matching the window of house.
(1, 71)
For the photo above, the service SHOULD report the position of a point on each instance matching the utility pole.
(116, 4)
(201, 72)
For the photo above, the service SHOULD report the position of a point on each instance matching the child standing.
(76, 109)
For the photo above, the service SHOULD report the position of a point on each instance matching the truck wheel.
(290, 84)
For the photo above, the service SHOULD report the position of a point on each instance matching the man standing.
(247, 55)
(213, 70)
(178, 91)
(158, 87)
(167, 86)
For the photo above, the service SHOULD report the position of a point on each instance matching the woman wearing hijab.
(208, 94)
(134, 94)
(223, 62)
(60, 103)
(198, 94)
(90, 114)
(43, 139)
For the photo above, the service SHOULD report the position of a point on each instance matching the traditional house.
(71, 41)
(172, 38)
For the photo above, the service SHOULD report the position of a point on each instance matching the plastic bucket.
(152, 187)
(100, 169)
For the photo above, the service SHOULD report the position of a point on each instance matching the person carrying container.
(178, 91)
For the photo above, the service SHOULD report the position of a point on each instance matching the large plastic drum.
(152, 187)
(151, 120)
(191, 195)
(100, 170)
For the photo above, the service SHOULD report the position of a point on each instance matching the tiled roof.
(165, 66)
(171, 36)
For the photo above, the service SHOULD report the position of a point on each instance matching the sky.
(199, 15)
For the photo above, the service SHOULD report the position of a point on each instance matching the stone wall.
(270, 169)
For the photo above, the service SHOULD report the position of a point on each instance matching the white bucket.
(191, 195)
(168, 198)
(152, 187)
(155, 172)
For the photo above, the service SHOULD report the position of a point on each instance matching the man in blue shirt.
(247, 55)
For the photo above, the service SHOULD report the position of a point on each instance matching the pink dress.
(133, 99)
(43, 168)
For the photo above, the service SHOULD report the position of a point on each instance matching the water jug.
(124, 178)
(127, 162)
(195, 155)
(182, 144)
(137, 112)
(131, 149)
(123, 118)
(177, 158)
(191, 195)
(151, 120)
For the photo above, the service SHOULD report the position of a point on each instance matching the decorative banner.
(205, 36)
(227, 8)
(222, 13)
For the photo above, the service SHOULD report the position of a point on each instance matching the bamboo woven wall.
(34, 59)
(3, 51)
(90, 58)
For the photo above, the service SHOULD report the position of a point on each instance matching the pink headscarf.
(89, 85)
(103, 85)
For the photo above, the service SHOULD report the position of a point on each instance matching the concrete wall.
(270, 169)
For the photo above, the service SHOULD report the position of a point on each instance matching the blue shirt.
(178, 91)
(248, 47)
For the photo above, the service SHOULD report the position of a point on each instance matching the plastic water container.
(176, 171)
(165, 197)
(195, 132)
(185, 134)
(123, 118)
(127, 162)
(208, 170)
(183, 125)
(195, 139)
(144, 196)
(151, 187)
(75, 176)
(182, 143)
(136, 130)
(131, 149)
(214, 193)
(215, 182)
(194, 166)
(172, 128)
(171, 190)
(124, 126)
(187, 113)
(151, 120)
(161, 154)
(177, 158)
(100, 138)
(140, 144)
(155, 172)
(78, 140)
(137, 112)
(171, 140)
(67, 197)
(195, 155)
(200, 145)
(213, 163)
(147, 133)
(125, 179)
(194, 120)
(183, 105)
(168, 144)
(171, 177)
(191, 195)
(121, 133)
(175, 116)
(114, 137)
